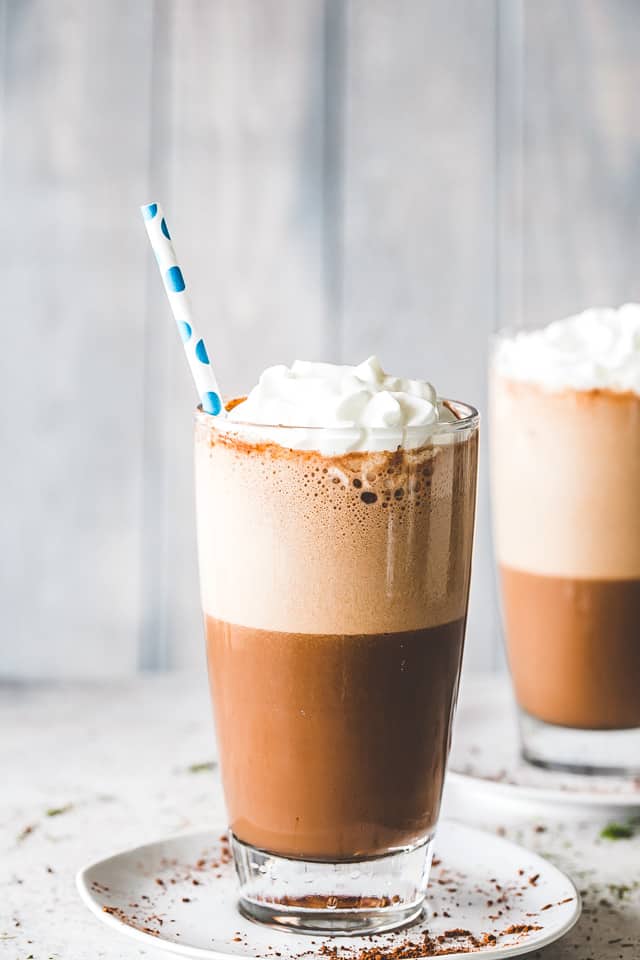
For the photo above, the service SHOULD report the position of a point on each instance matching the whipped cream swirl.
(596, 349)
(336, 409)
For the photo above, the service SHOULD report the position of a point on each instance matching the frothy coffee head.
(565, 446)
(337, 408)
(598, 349)
(336, 500)
(361, 543)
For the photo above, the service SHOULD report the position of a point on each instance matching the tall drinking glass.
(335, 597)
(565, 467)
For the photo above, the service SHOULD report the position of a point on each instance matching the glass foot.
(596, 752)
(333, 898)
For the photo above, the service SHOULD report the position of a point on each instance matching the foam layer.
(596, 349)
(299, 542)
(360, 408)
(566, 479)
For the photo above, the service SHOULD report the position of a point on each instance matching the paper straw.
(174, 284)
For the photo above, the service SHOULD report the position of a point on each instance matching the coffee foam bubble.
(596, 349)
(336, 409)
(366, 542)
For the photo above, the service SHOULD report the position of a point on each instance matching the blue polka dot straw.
(177, 293)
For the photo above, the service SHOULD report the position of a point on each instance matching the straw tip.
(149, 210)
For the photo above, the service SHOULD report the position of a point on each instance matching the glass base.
(595, 752)
(333, 898)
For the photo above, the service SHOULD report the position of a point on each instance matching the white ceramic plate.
(485, 757)
(176, 895)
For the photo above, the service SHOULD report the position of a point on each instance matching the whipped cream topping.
(336, 409)
(596, 349)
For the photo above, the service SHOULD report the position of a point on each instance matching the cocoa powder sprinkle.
(520, 928)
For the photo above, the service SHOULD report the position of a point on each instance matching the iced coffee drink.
(565, 439)
(335, 524)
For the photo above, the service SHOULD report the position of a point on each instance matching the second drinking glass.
(565, 462)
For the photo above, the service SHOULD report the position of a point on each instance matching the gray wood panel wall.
(342, 177)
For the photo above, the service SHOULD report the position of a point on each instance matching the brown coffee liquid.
(333, 747)
(574, 648)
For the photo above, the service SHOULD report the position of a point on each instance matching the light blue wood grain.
(390, 176)
(74, 162)
(578, 152)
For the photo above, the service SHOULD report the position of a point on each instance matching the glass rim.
(468, 420)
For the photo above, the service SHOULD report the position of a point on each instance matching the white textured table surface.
(87, 771)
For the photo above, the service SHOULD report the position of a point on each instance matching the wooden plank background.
(344, 177)
(76, 89)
